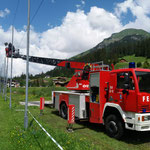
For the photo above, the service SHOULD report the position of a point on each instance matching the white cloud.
(139, 9)
(78, 6)
(78, 32)
(50, 25)
(52, 1)
(103, 21)
(123, 7)
(4, 12)
(82, 2)
(81, 5)
(7, 11)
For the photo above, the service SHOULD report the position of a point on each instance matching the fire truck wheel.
(114, 126)
(63, 110)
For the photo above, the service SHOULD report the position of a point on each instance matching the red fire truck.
(119, 99)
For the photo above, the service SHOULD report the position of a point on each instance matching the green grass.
(18, 94)
(86, 136)
(131, 58)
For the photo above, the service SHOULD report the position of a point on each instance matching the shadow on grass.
(136, 137)
(35, 137)
(37, 141)
(92, 126)
(130, 137)
(55, 113)
(85, 124)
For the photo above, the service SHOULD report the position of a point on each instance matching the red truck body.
(115, 99)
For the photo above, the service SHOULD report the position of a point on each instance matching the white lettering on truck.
(146, 98)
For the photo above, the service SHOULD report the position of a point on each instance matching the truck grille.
(145, 108)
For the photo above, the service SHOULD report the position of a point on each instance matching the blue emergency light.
(132, 65)
(144, 110)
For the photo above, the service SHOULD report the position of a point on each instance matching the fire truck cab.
(118, 99)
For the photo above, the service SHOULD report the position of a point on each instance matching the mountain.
(129, 42)
(127, 35)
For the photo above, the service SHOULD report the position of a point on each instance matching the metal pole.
(1, 81)
(6, 79)
(27, 69)
(11, 66)
(4, 76)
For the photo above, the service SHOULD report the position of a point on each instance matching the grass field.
(131, 58)
(86, 136)
(34, 93)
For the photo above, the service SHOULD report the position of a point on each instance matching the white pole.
(6, 78)
(1, 81)
(27, 69)
(11, 66)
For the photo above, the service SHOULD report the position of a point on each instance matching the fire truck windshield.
(143, 79)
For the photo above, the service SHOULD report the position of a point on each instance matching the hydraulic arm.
(42, 60)
(79, 81)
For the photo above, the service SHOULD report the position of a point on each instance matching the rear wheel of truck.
(114, 126)
(63, 110)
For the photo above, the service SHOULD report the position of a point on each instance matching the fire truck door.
(125, 93)
(94, 115)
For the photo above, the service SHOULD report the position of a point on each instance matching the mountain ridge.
(131, 34)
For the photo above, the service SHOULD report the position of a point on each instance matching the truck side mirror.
(126, 84)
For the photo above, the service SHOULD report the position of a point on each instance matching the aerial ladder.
(79, 81)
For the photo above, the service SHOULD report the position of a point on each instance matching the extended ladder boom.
(54, 62)
(79, 81)
(46, 61)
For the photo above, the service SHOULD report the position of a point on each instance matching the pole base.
(70, 128)
(25, 122)
(41, 112)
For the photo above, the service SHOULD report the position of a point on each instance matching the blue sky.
(65, 28)
(51, 12)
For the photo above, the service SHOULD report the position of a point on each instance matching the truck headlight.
(145, 118)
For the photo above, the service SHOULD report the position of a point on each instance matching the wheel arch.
(111, 108)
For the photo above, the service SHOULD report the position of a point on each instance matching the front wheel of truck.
(114, 126)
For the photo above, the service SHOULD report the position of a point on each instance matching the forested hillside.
(116, 50)
(125, 36)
